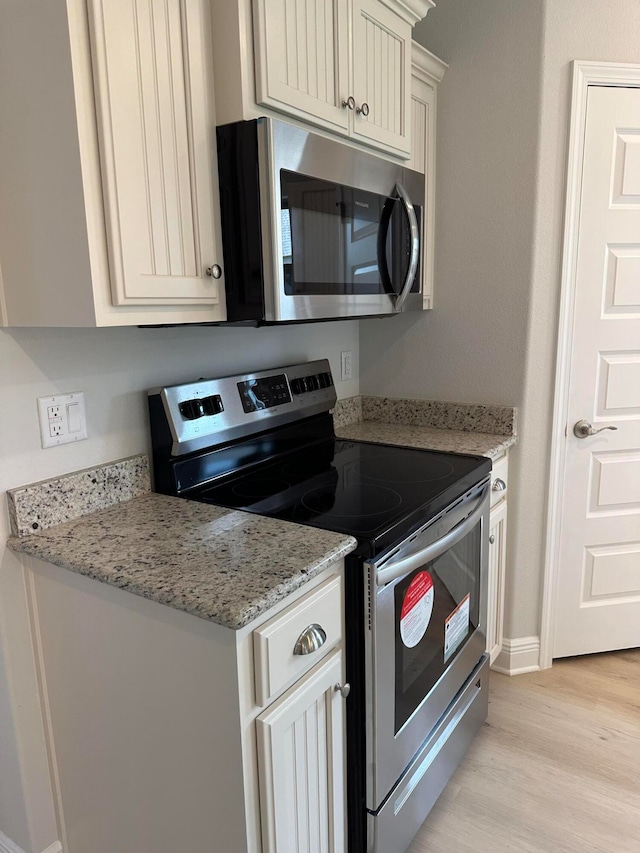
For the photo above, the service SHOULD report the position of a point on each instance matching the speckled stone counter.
(438, 414)
(50, 502)
(429, 438)
(222, 565)
(427, 424)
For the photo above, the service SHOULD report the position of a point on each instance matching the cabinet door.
(382, 76)
(302, 59)
(497, 569)
(154, 91)
(301, 763)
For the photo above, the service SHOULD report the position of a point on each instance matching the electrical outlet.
(62, 419)
(347, 365)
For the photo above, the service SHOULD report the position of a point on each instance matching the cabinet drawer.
(276, 664)
(499, 480)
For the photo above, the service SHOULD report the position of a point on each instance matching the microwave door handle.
(381, 248)
(414, 232)
(435, 549)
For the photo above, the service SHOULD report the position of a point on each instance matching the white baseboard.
(7, 846)
(518, 656)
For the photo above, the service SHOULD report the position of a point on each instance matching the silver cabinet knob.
(583, 429)
(492, 539)
(343, 690)
(310, 640)
(214, 271)
(499, 485)
(364, 110)
(350, 103)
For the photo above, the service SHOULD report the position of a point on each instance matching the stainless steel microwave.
(314, 229)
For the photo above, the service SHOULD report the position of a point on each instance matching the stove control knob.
(213, 405)
(296, 386)
(191, 410)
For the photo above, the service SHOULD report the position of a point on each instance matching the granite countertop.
(428, 424)
(429, 438)
(222, 565)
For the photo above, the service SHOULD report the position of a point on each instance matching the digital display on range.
(258, 394)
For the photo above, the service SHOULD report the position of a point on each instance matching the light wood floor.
(555, 768)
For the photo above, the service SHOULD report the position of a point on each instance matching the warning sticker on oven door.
(416, 609)
(456, 627)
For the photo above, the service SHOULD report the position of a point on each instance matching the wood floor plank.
(555, 769)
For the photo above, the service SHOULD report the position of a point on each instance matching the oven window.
(436, 611)
(340, 241)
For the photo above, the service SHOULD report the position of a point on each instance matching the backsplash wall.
(114, 367)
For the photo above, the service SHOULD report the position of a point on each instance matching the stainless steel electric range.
(415, 588)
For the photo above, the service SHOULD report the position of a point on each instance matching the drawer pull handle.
(343, 690)
(499, 485)
(311, 639)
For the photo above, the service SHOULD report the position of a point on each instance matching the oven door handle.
(435, 549)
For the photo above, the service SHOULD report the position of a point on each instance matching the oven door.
(428, 602)
(342, 229)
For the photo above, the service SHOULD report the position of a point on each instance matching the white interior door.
(598, 602)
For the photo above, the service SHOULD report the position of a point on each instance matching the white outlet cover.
(346, 371)
(66, 423)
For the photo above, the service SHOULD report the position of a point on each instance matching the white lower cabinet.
(497, 566)
(155, 737)
(497, 558)
(301, 760)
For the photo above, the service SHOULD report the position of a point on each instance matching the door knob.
(343, 689)
(583, 429)
(349, 103)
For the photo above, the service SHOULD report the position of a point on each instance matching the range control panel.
(257, 394)
(307, 384)
(213, 411)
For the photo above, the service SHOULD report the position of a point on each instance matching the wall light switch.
(62, 419)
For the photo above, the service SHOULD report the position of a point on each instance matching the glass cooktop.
(366, 490)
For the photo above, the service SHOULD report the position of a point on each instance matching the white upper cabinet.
(302, 59)
(426, 72)
(381, 76)
(155, 119)
(124, 224)
(342, 65)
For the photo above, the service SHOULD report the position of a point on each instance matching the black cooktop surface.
(374, 492)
